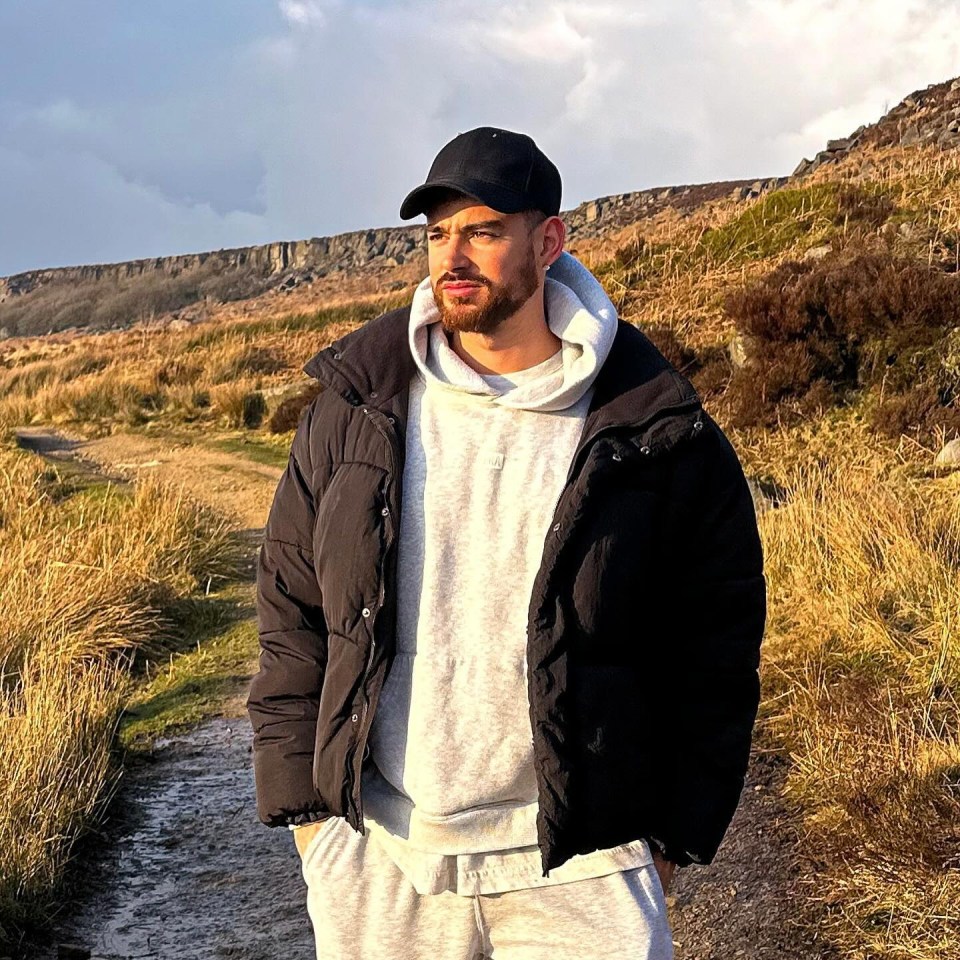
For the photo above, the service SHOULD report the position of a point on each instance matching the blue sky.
(133, 130)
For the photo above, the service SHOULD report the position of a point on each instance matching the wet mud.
(183, 868)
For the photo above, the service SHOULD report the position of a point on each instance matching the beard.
(502, 302)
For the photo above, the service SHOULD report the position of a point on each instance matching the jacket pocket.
(614, 737)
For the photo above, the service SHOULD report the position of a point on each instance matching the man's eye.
(483, 233)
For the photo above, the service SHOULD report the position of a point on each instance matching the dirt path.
(184, 869)
(231, 483)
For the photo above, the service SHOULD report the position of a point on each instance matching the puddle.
(185, 869)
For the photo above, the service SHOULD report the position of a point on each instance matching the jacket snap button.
(373, 394)
(391, 420)
(556, 527)
(366, 611)
(698, 425)
(617, 457)
(337, 356)
(645, 450)
(355, 718)
(385, 512)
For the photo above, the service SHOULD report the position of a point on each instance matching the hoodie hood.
(578, 312)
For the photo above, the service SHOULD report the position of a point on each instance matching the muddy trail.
(182, 868)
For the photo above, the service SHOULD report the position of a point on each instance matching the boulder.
(837, 145)
(910, 136)
(949, 455)
(738, 349)
(818, 253)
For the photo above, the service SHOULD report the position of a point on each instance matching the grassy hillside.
(820, 323)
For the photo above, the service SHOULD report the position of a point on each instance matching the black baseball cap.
(503, 170)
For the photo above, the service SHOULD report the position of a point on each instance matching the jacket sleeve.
(284, 695)
(714, 626)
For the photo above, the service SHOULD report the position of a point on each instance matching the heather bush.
(288, 413)
(817, 333)
(709, 368)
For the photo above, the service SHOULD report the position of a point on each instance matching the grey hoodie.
(453, 790)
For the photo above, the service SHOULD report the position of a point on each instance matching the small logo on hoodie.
(495, 461)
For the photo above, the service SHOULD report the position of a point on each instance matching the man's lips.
(460, 287)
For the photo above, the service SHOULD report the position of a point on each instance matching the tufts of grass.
(87, 578)
(862, 686)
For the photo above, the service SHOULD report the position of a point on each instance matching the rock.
(955, 85)
(179, 323)
(592, 212)
(756, 186)
(910, 136)
(867, 169)
(949, 455)
(838, 145)
(766, 495)
(4, 335)
(801, 167)
(738, 349)
(818, 253)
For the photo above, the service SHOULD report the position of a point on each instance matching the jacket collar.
(636, 386)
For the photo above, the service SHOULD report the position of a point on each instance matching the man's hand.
(664, 867)
(303, 835)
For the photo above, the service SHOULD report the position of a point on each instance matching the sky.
(132, 129)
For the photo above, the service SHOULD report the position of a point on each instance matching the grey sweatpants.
(362, 907)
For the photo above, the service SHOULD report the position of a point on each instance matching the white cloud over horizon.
(315, 117)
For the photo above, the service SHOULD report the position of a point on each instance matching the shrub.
(817, 333)
(288, 413)
(920, 412)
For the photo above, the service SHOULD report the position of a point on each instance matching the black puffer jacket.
(645, 619)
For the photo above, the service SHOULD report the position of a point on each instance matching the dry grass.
(85, 579)
(862, 677)
(212, 374)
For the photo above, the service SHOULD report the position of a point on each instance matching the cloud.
(323, 118)
(303, 12)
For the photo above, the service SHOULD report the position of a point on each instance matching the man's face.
(483, 264)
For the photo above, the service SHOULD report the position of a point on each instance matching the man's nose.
(455, 253)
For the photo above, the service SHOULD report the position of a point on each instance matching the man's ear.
(554, 235)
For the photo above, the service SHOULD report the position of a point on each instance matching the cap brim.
(492, 195)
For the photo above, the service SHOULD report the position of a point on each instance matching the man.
(511, 601)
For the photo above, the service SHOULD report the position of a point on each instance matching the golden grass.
(862, 676)
(130, 378)
(85, 580)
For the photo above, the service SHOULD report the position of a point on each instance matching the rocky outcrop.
(287, 265)
(320, 254)
(929, 116)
